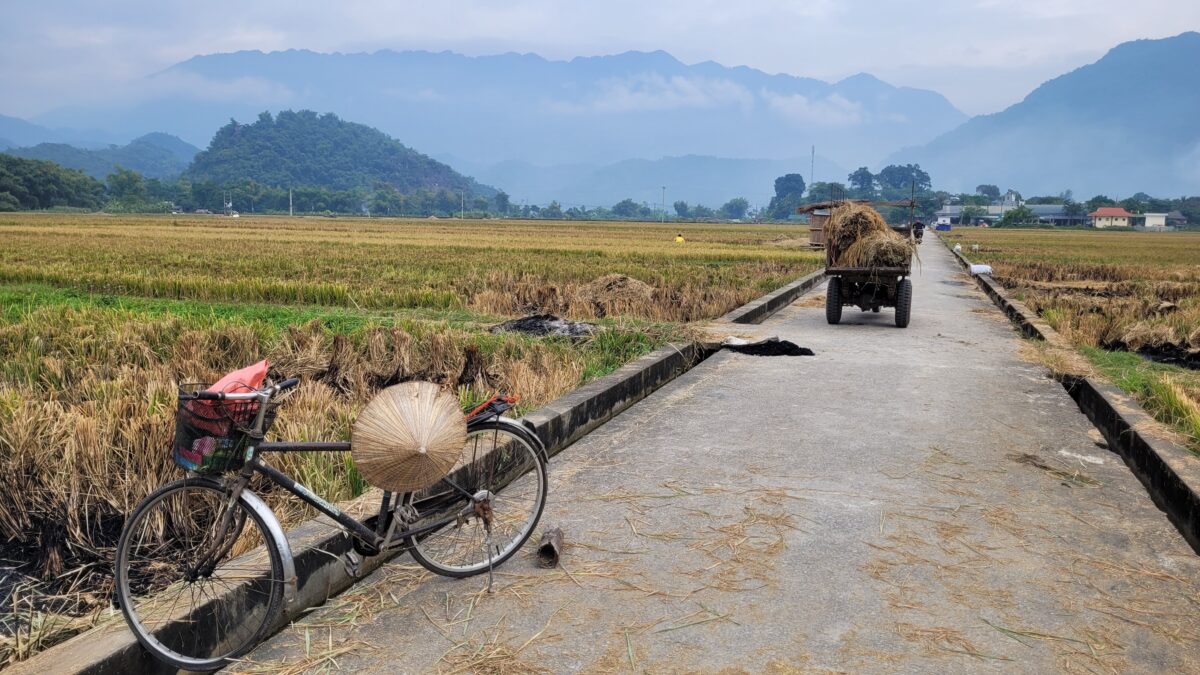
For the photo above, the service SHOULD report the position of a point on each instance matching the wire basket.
(211, 436)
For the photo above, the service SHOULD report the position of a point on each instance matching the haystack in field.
(619, 294)
(857, 236)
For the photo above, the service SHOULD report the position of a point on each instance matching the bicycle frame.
(381, 539)
(385, 537)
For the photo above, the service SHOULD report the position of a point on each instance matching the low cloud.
(424, 95)
(256, 90)
(832, 111)
(653, 92)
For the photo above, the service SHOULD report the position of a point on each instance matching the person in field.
(679, 238)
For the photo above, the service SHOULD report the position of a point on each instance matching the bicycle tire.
(205, 626)
(435, 550)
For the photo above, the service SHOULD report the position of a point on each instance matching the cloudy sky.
(982, 54)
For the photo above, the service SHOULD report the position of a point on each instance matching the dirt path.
(906, 500)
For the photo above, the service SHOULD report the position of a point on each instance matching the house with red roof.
(1111, 216)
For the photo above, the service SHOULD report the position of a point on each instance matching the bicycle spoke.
(179, 582)
(503, 472)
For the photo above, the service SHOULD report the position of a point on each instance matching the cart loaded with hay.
(867, 262)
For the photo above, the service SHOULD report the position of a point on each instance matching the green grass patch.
(1168, 392)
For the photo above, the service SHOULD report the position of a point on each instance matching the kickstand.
(353, 562)
(489, 550)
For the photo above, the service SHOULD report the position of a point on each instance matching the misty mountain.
(711, 181)
(17, 132)
(155, 155)
(295, 149)
(591, 110)
(1126, 123)
(5, 144)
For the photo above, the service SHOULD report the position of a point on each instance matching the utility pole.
(812, 166)
(462, 205)
(290, 211)
(664, 205)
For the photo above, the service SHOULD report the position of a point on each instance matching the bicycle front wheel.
(506, 476)
(199, 578)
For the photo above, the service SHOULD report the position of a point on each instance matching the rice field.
(1130, 301)
(497, 267)
(101, 316)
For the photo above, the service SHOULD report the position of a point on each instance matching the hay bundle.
(857, 236)
(408, 437)
(619, 294)
(619, 288)
(878, 249)
(1142, 335)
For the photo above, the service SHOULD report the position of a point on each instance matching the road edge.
(1169, 472)
(757, 311)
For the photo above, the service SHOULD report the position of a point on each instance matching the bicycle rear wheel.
(502, 468)
(199, 579)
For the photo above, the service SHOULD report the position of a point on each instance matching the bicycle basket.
(210, 436)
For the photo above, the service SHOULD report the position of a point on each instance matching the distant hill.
(154, 155)
(591, 110)
(1126, 123)
(5, 144)
(37, 184)
(695, 179)
(19, 132)
(295, 149)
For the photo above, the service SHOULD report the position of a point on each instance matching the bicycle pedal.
(353, 562)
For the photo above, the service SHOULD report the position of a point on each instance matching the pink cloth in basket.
(239, 381)
(244, 380)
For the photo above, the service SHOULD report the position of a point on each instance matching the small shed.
(816, 228)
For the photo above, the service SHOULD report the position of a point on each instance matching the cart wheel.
(833, 300)
(903, 302)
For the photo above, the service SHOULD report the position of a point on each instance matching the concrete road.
(905, 501)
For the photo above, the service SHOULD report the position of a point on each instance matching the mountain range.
(155, 155)
(592, 130)
(1128, 122)
(595, 110)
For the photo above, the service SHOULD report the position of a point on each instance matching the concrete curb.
(573, 416)
(756, 311)
(318, 544)
(1170, 472)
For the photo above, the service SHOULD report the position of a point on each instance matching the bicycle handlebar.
(240, 396)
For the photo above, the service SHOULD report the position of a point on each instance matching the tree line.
(37, 184)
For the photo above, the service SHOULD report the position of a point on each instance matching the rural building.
(1051, 214)
(1111, 216)
(1153, 222)
(1176, 219)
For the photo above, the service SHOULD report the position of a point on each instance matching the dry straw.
(859, 237)
(408, 437)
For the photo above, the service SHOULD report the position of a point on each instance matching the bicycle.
(203, 567)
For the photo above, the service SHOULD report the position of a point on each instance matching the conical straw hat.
(408, 437)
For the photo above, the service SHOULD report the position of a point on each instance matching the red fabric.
(244, 380)
(239, 381)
